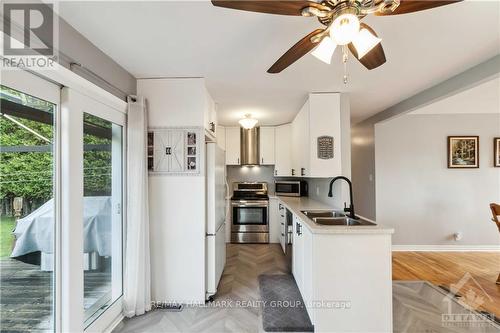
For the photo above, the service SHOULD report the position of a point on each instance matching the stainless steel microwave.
(292, 188)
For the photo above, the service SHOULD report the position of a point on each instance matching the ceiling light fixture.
(248, 122)
(364, 42)
(345, 27)
(324, 50)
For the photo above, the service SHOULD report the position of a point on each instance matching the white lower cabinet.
(298, 253)
(283, 227)
(302, 262)
(274, 221)
(307, 275)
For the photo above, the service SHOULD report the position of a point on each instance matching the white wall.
(418, 195)
(363, 133)
(177, 203)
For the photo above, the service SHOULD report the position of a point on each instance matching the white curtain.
(137, 284)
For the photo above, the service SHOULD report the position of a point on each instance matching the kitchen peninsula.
(345, 268)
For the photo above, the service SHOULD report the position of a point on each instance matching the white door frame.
(35, 86)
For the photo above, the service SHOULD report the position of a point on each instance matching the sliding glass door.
(102, 214)
(61, 207)
(27, 207)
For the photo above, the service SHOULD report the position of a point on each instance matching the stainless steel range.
(250, 213)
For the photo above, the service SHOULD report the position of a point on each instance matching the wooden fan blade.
(295, 52)
(375, 57)
(410, 6)
(290, 7)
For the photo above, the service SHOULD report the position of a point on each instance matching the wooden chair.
(495, 210)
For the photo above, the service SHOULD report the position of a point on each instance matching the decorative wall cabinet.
(174, 150)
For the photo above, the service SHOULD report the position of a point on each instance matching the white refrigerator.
(215, 240)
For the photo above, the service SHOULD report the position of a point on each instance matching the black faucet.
(352, 215)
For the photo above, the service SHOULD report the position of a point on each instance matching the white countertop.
(297, 204)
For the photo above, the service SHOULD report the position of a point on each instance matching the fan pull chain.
(345, 55)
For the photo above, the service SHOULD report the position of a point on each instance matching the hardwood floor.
(447, 268)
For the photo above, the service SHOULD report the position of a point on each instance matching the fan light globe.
(364, 42)
(344, 28)
(324, 50)
(248, 122)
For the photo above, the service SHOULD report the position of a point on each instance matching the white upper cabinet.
(210, 116)
(300, 143)
(221, 136)
(321, 137)
(232, 145)
(267, 152)
(283, 150)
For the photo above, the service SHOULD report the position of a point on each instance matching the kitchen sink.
(331, 217)
(322, 213)
(347, 221)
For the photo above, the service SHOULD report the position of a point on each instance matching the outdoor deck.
(26, 299)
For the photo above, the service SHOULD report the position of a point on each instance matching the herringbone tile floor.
(235, 308)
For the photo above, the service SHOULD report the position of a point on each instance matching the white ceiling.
(233, 49)
(482, 99)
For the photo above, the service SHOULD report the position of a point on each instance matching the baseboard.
(446, 248)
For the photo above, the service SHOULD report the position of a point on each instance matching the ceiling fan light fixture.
(364, 42)
(344, 28)
(248, 122)
(324, 50)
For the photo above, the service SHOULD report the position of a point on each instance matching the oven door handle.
(249, 204)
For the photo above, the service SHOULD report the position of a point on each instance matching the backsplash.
(265, 173)
(262, 173)
(318, 190)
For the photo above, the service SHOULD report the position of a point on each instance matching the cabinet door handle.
(282, 235)
(262, 160)
(299, 229)
(275, 172)
(238, 160)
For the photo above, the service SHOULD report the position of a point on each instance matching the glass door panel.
(102, 214)
(27, 211)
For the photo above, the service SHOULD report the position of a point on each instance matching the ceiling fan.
(342, 26)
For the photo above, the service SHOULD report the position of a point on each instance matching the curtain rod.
(99, 78)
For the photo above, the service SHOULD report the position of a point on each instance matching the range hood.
(250, 146)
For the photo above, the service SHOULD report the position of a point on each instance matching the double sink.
(332, 217)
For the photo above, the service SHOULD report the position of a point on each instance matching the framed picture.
(191, 138)
(496, 152)
(191, 163)
(463, 152)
